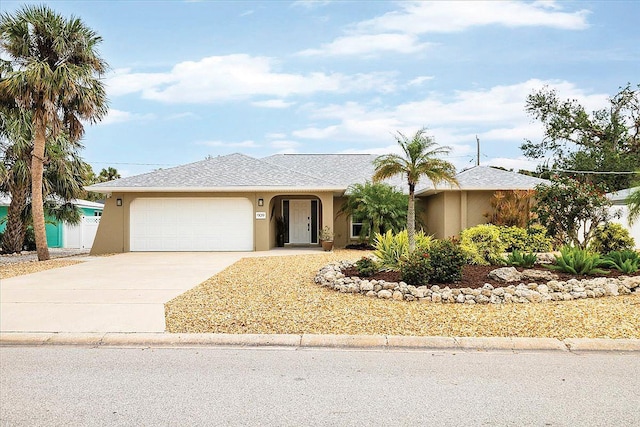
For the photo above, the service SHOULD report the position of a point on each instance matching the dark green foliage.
(366, 267)
(447, 260)
(571, 210)
(574, 138)
(610, 237)
(627, 262)
(416, 268)
(29, 240)
(379, 207)
(574, 260)
(519, 259)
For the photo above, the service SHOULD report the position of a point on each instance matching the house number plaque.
(261, 215)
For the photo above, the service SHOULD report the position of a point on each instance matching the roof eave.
(233, 189)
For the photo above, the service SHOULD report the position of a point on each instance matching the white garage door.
(191, 224)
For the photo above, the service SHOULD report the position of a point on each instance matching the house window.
(356, 227)
(97, 213)
(314, 221)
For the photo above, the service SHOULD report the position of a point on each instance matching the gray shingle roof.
(233, 170)
(333, 172)
(488, 178)
(340, 169)
(620, 197)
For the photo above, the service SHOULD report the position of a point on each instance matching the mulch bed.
(475, 276)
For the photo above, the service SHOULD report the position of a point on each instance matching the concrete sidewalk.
(119, 293)
(371, 342)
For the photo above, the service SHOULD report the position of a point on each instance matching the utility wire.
(592, 172)
(135, 164)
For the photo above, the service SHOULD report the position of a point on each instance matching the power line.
(593, 172)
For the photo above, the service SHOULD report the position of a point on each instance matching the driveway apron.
(119, 293)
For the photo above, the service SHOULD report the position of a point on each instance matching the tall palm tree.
(62, 179)
(418, 160)
(55, 74)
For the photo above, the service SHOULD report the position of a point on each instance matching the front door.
(300, 221)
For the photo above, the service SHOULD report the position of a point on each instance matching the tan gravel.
(22, 268)
(277, 295)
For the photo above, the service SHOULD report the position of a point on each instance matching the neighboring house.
(618, 199)
(62, 235)
(229, 203)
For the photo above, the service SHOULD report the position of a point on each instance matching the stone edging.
(554, 290)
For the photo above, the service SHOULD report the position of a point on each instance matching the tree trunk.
(37, 202)
(13, 238)
(411, 219)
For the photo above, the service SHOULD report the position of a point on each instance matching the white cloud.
(419, 80)
(273, 103)
(233, 77)
(368, 44)
(119, 116)
(446, 17)
(310, 4)
(515, 164)
(497, 115)
(241, 144)
(399, 31)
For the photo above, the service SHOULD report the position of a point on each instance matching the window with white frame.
(356, 226)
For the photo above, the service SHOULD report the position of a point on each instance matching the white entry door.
(300, 221)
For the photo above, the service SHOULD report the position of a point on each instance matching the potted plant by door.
(281, 227)
(326, 238)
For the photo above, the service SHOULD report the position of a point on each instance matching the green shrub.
(392, 248)
(519, 259)
(29, 240)
(611, 236)
(415, 269)
(627, 262)
(366, 267)
(574, 260)
(482, 244)
(514, 238)
(532, 239)
(538, 240)
(447, 260)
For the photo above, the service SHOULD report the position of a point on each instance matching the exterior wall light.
(118, 202)
(260, 202)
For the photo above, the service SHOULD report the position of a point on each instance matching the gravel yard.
(13, 269)
(277, 295)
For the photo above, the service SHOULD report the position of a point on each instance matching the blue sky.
(190, 79)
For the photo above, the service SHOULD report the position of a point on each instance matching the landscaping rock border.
(524, 293)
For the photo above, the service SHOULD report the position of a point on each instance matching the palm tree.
(379, 207)
(418, 160)
(55, 74)
(62, 178)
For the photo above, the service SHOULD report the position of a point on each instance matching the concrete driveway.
(119, 293)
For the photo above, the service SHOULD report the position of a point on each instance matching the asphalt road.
(66, 385)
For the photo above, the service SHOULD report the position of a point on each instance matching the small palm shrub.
(520, 259)
(482, 244)
(392, 248)
(610, 237)
(366, 267)
(447, 260)
(574, 260)
(415, 269)
(627, 262)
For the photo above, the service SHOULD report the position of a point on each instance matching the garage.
(191, 224)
